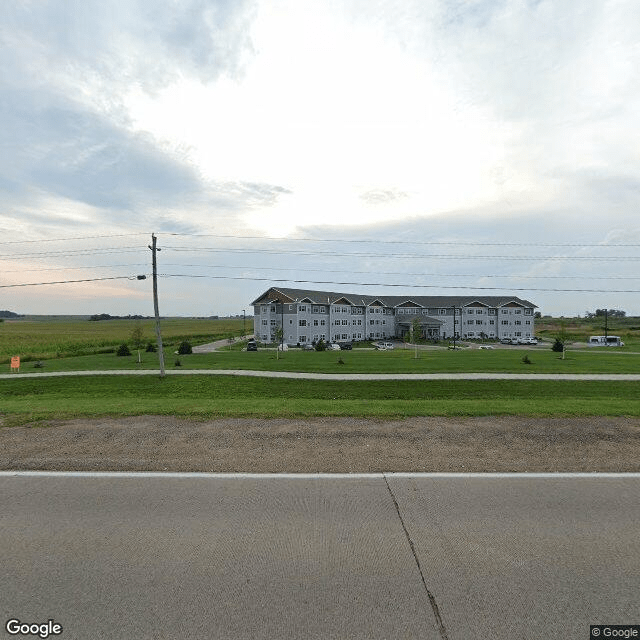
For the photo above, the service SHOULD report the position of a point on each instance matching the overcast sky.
(448, 146)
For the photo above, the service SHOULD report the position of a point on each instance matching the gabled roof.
(287, 295)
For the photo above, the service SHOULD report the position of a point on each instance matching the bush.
(123, 350)
(185, 348)
(177, 363)
(321, 346)
(526, 360)
(558, 346)
(151, 348)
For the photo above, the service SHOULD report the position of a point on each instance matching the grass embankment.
(46, 338)
(29, 400)
(542, 360)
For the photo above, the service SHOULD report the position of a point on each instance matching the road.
(377, 556)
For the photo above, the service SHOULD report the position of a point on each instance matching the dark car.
(252, 345)
(345, 346)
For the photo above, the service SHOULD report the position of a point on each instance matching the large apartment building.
(308, 316)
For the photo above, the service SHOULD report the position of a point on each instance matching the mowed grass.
(542, 360)
(47, 338)
(27, 400)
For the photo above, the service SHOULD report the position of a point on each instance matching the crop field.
(37, 338)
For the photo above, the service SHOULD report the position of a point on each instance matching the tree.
(137, 337)
(185, 348)
(278, 335)
(416, 330)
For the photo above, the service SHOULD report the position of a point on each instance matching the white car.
(386, 346)
(333, 346)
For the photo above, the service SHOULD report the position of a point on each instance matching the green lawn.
(26, 400)
(543, 360)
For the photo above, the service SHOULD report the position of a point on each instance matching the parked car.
(386, 345)
(252, 345)
(485, 346)
(505, 341)
(333, 346)
(283, 347)
(345, 346)
(308, 347)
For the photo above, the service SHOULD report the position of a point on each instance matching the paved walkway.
(332, 376)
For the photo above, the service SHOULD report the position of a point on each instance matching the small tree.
(123, 350)
(278, 336)
(185, 348)
(415, 330)
(137, 337)
(321, 345)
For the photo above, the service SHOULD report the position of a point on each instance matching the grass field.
(81, 345)
(29, 400)
(542, 360)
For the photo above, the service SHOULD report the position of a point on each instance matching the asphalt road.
(381, 556)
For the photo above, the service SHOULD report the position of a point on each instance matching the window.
(527, 321)
(518, 311)
(263, 309)
(302, 323)
(469, 321)
(273, 323)
(479, 322)
(505, 322)
(442, 312)
(492, 321)
(492, 312)
(344, 336)
(273, 309)
(303, 338)
(504, 311)
(315, 323)
(302, 307)
(527, 312)
(336, 322)
(323, 310)
(518, 333)
(370, 321)
(315, 310)
(322, 323)
(264, 322)
(345, 322)
(400, 310)
(479, 311)
(518, 322)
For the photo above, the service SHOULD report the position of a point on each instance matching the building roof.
(287, 295)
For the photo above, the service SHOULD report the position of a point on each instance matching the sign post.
(15, 364)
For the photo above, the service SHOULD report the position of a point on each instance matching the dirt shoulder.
(347, 445)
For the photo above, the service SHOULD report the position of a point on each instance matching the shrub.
(321, 346)
(123, 350)
(526, 360)
(151, 348)
(185, 348)
(558, 346)
(177, 363)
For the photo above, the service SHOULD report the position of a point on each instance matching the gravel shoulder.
(324, 445)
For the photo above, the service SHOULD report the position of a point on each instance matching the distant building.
(308, 316)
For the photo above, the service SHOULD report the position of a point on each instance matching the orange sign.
(15, 362)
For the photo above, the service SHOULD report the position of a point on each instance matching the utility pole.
(154, 248)
(244, 329)
(606, 324)
(454, 327)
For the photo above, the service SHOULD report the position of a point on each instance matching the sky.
(445, 147)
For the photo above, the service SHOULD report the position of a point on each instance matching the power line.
(114, 235)
(405, 286)
(397, 273)
(38, 284)
(90, 266)
(445, 256)
(416, 242)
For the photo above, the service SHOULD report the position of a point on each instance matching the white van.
(605, 341)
